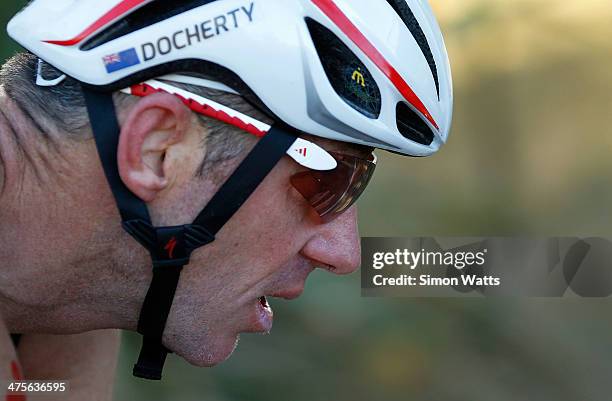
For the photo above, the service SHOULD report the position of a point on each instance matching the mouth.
(263, 301)
(263, 317)
(287, 285)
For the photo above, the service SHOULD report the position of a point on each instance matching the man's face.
(267, 249)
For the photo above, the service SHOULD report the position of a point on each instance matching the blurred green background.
(529, 154)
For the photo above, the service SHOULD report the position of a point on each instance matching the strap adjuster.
(169, 243)
(170, 246)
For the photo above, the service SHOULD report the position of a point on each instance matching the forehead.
(341, 147)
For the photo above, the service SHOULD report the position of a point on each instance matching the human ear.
(152, 127)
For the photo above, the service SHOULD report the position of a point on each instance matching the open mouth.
(263, 311)
(263, 316)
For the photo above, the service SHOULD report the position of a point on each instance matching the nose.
(336, 245)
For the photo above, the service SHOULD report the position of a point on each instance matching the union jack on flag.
(118, 61)
(112, 58)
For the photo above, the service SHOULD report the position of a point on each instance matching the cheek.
(263, 236)
(275, 220)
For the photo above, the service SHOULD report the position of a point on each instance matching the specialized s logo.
(170, 247)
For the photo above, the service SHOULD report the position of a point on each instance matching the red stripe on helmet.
(143, 90)
(119, 10)
(342, 21)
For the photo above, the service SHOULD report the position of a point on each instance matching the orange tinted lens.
(332, 192)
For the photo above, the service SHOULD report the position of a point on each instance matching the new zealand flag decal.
(118, 61)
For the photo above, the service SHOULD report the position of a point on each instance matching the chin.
(211, 353)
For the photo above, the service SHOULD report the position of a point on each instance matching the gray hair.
(60, 111)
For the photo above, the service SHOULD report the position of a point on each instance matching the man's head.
(335, 69)
(175, 161)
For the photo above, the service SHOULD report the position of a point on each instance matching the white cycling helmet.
(370, 72)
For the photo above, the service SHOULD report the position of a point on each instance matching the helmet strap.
(171, 247)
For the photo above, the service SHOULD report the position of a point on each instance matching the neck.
(59, 269)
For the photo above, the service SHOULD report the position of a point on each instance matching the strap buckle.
(169, 246)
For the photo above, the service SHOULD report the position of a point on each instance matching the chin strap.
(171, 247)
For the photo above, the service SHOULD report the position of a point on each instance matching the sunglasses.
(333, 182)
(331, 193)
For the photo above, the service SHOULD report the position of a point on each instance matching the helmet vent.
(147, 15)
(405, 13)
(412, 126)
(347, 74)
